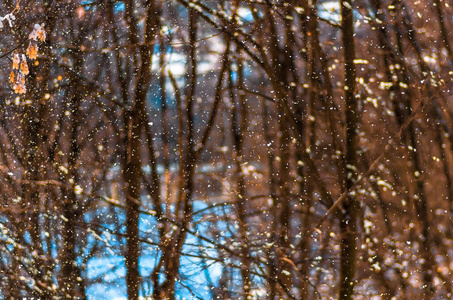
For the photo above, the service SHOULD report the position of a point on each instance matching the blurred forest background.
(242, 149)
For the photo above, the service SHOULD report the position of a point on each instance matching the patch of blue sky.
(101, 291)
(119, 6)
(108, 267)
(245, 14)
(147, 224)
(330, 10)
(147, 263)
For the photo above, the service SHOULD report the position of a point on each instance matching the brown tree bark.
(348, 222)
(133, 129)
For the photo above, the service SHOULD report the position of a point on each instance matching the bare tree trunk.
(280, 67)
(272, 252)
(133, 128)
(443, 32)
(348, 223)
(238, 130)
(184, 213)
(420, 198)
(70, 272)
